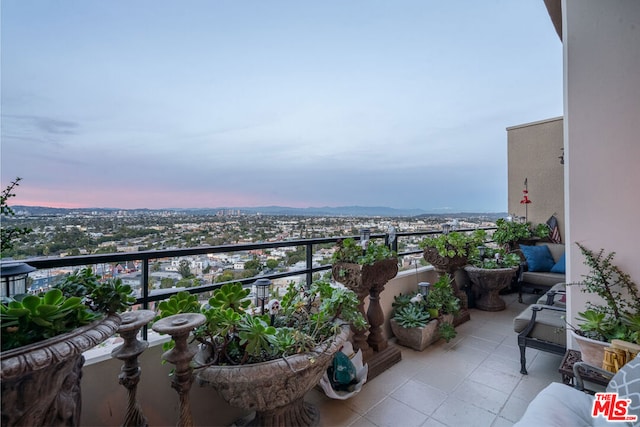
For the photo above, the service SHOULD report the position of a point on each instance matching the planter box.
(419, 338)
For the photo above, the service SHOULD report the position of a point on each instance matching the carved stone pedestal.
(369, 281)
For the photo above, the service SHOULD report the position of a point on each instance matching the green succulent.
(455, 243)
(412, 316)
(447, 331)
(350, 251)
(237, 334)
(26, 319)
(79, 299)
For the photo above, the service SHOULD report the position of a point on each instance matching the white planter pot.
(592, 351)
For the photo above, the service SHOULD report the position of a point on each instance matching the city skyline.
(156, 105)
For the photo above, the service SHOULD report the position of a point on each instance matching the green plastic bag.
(342, 373)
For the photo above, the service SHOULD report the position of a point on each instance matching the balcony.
(472, 380)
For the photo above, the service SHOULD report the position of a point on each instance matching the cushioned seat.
(542, 277)
(542, 327)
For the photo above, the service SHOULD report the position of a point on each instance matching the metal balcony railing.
(147, 296)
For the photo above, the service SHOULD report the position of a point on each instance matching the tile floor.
(474, 380)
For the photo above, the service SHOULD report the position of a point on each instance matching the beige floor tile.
(503, 363)
(393, 413)
(420, 396)
(498, 380)
(481, 395)
(360, 422)
(501, 422)
(456, 413)
(433, 423)
(443, 379)
(474, 380)
(514, 408)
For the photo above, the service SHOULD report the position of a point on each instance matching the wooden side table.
(566, 370)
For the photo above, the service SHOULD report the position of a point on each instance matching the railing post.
(128, 352)
(309, 254)
(144, 286)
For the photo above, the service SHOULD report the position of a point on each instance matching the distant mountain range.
(354, 211)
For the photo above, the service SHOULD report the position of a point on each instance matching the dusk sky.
(161, 104)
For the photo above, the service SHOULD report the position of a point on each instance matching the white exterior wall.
(601, 42)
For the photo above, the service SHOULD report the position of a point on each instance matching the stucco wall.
(602, 134)
(533, 152)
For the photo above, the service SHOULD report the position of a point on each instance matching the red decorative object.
(525, 199)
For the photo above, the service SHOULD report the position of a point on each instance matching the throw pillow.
(627, 384)
(538, 257)
(559, 267)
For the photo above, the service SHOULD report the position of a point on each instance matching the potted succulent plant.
(491, 270)
(509, 234)
(615, 316)
(447, 253)
(366, 270)
(419, 321)
(451, 250)
(43, 338)
(267, 362)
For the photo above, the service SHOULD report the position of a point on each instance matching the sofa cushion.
(556, 250)
(538, 257)
(550, 325)
(559, 267)
(558, 405)
(542, 279)
(626, 382)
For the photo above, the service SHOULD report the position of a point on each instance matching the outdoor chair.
(542, 325)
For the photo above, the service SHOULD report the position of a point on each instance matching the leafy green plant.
(447, 331)
(455, 243)
(235, 333)
(8, 234)
(350, 251)
(619, 316)
(509, 232)
(104, 296)
(495, 258)
(442, 299)
(27, 319)
(412, 310)
(77, 300)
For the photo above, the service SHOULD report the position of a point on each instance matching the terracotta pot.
(591, 351)
(274, 389)
(41, 381)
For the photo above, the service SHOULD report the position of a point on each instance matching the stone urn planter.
(421, 337)
(368, 281)
(274, 390)
(592, 351)
(449, 265)
(443, 263)
(490, 282)
(41, 381)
